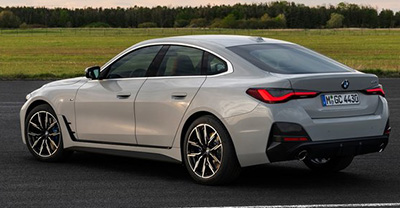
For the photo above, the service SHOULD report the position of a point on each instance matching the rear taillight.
(279, 95)
(375, 91)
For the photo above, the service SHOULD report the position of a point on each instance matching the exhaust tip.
(302, 155)
(382, 147)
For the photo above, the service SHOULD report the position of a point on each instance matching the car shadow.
(131, 166)
(295, 174)
(278, 176)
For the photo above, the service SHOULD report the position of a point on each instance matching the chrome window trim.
(123, 53)
(117, 79)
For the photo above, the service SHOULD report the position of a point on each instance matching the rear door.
(105, 108)
(164, 98)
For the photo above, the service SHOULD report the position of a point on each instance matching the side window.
(181, 61)
(134, 64)
(215, 65)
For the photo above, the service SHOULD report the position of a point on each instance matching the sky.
(379, 4)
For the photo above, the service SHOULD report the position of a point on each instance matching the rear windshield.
(288, 59)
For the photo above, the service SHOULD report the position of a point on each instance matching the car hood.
(65, 82)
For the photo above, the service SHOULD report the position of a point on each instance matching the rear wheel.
(333, 164)
(43, 134)
(208, 152)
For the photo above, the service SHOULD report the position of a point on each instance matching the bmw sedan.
(214, 103)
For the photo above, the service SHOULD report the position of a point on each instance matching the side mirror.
(92, 72)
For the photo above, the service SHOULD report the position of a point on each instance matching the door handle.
(123, 95)
(178, 95)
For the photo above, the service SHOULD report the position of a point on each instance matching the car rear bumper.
(282, 151)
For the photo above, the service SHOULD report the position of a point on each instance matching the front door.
(105, 108)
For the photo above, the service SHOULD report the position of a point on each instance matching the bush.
(252, 23)
(266, 22)
(23, 26)
(335, 21)
(98, 24)
(199, 22)
(147, 25)
(216, 23)
(229, 21)
(181, 23)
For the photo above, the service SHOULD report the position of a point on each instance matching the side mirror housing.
(92, 72)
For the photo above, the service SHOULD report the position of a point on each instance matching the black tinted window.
(181, 61)
(134, 64)
(287, 59)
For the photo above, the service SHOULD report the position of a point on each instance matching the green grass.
(60, 53)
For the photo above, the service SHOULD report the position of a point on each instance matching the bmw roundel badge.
(345, 84)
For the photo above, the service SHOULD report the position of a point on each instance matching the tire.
(43, 134)
(326, 165)
(213, 162)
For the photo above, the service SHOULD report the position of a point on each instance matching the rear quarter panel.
(225, 97)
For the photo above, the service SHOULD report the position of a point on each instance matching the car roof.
(214, 40)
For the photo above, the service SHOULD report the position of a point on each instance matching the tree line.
(277, 14)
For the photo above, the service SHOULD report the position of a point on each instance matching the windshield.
(288, 59)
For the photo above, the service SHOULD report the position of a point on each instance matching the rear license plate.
(340, 99)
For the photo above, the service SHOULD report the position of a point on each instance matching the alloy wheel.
(204, 151)
(43, 132)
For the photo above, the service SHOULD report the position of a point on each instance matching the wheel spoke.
(203, 169)
(33, 134)
(215, 158)
(35, 125)
(54, 134)
(198, 135)
(195, 144)
(40, 121)
(53, 143)
(216, 147)
(197, 163)
(36, 142)
(205, 133)
(51, 125)
(210, 166)
(212, 137)
(194, 154)
(46, 120)
(41, 148)
(47, 147)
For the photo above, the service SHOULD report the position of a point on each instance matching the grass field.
(60, 53)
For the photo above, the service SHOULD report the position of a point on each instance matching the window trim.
(166, 44)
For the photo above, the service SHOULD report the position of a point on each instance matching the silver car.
(214, 103)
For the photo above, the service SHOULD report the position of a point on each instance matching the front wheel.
(208, 152)
(333, 164)
(43, 134)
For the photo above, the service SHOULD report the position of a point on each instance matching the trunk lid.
(331, 84)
